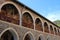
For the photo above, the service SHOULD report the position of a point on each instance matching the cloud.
(53, 16)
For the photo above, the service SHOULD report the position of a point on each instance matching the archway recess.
(39, 38)
(10, 13)
(27, 20)
(28, 36)
(51, 29)
(38, 25)
(9, 34)
(46, 28)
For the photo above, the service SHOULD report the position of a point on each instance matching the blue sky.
(47, 8)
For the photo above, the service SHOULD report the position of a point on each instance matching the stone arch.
(51, 29)
(46, 28)
(28, 36)
(58, 31)
(13, 9)
(9, 33)
(38, 24)
(48, 37)
(27, 20)
(55, 30)
(40, 37)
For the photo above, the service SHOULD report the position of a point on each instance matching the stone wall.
(22, 31)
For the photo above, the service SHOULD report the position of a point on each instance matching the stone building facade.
(19, 22)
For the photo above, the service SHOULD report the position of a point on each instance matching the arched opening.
(28, 37)
(58, 31)
(46, 29)
(7, 36)
(38, 25)
(55, 30)
(48, 39)
(51, 29)
(27, 20)
(39, 38)
(10, 14)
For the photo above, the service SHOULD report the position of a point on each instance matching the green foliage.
(57, 22)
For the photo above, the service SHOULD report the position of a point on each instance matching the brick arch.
(55, 30)
(12, 18)
(51, 29)
(28, 36)
(38, 24)
(46, 28)
(48, 37)
(40, 37)
(11, 32)
(27, 20)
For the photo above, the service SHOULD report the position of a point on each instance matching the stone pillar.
(49, 28)
(43, 26)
